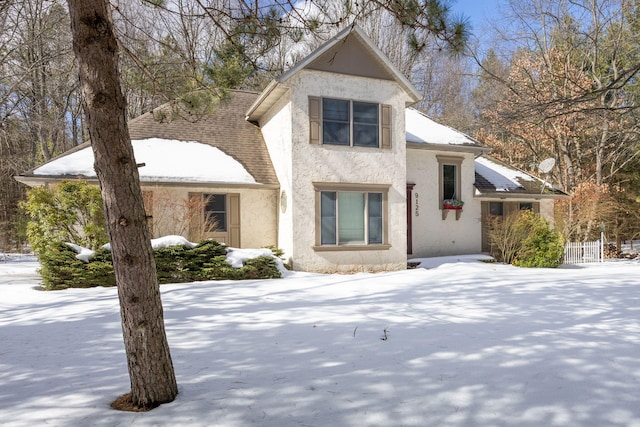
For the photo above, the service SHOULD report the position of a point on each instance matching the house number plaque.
(417, 204)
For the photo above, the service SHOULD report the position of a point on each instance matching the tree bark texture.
(149, 361)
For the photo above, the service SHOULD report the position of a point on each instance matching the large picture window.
(349, 123)
(351, 217)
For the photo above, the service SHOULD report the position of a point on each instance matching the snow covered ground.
(460, 344)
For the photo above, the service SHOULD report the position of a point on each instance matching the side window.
(349, 123)
(366, 124)
(215, 211)
(449, 182)
(449, 178)
(496, 208)
(507, 208)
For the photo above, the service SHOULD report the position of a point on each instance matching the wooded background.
(547, 79)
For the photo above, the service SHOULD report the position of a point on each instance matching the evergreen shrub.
(543, 246)
(174, 264)
(60, 269)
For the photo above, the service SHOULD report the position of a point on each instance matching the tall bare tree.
(38, 97)
(570, 91)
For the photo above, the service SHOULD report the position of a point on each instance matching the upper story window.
(349, 123)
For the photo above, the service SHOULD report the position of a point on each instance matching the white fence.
(581, 252)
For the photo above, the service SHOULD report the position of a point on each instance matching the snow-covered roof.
(165, 160)
(493, 176)
(219, 147)
(422, 129)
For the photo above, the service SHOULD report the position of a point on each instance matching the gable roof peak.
(325, 58)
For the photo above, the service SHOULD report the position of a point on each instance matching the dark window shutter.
(315, 119)
(385, 126)
(233, 211)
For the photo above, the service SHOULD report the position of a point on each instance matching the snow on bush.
(177, 261)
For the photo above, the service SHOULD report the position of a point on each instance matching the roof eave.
(253, 115)
(460, 148)
(522, 195)
(39, 180)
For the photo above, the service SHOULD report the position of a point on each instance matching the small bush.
(525, 239)
(71, 211)
(543, 247)
(171, 264)
(506, 234)
(174, 264)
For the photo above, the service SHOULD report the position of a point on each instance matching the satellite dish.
(546, 165)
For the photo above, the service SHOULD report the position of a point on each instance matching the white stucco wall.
(433, 236)
(547, 210)
(354, 165)
(276, 127)
(257, 212)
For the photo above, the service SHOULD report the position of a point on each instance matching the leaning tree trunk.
(149, 361)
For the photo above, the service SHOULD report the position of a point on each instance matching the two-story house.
(328, 163)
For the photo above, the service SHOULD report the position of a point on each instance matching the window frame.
(350, 122)
(207, 198)
(318, 123)
(449, 161)
(529, 206)
(366, 190)
(492, 204)
(197, 230)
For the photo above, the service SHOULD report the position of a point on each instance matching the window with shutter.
(349, 123)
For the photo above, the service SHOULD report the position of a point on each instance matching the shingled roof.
(224, 128)
(496, 178)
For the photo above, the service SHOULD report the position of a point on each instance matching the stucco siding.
(258, 227)
(276, 126)
(315, 163)
(547, 210)
(431, 234)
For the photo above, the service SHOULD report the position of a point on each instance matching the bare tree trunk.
(149, 361)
